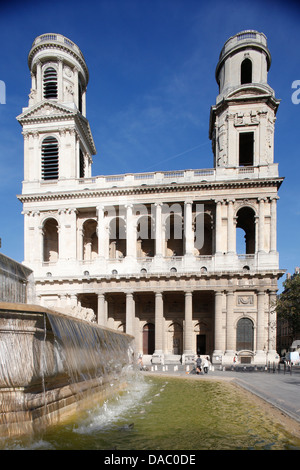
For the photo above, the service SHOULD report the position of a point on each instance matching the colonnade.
(70, 233)
(226, 315)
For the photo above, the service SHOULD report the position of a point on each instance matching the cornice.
(212, 277)
(157, 189)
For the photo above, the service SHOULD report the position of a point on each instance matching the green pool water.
(166, 413)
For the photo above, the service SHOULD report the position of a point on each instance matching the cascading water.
(50, 364)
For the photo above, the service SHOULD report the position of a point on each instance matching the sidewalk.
(280, 389)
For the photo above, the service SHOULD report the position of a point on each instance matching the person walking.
(206, 365)
(198, 364)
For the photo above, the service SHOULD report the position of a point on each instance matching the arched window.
(246, 71)
(81, 164)
(246, 235)
(50, 83)
(49, 159)
(50, 241)
(245, 335)
(117, 238)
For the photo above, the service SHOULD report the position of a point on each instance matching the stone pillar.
(39, 81)
(80, 244)
(158, 230)
(219, 331)
(218, 227)
(101, 233)
(60, 80)
(159, 313)
(130, 313)
(230, 331)
(272, 323)
(260, 326)
(261, 225)
(102, 310)
(130, 233)
(188, 328)
(273, 228)
(231, 235)
(188, 228)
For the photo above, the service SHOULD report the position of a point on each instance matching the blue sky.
(152, 82)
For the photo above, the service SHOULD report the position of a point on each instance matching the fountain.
(51, 365)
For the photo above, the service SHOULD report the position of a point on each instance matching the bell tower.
(242, 120)
(58, 143)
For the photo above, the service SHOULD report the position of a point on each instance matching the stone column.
(218, 227)
(130, 233)
(102, 310)
(39, 81)
(159, 312)
(231, 235)
(188, 228)
(260, 327)
(261, 224)
(230, 331)
(60, 80)
(219, 332)
(272, 322)
(188, 328)
(158, 230)
(273, 228)
(102, 242)
(130, 313)
(80, 244)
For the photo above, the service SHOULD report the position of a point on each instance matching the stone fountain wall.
(16, 281)
(52, 365)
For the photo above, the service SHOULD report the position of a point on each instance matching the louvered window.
(50, 159)
(50, 83)
(81, 164)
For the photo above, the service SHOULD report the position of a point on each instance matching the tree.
(288, 305)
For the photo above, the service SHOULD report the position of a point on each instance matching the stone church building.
(156, 254)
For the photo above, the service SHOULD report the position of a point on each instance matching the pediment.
(46, 110)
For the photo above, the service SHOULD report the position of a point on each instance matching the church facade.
(155, 254)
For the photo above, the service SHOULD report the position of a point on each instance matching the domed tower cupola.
(58, 72)
(242, 121)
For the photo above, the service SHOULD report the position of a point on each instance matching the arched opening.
(145, 241)
(245, 224)
(204, 241)
(246, 71)
(50, 83)
(117, 238)
(90, 240)
(148, 338)
(50, 160)
(245, 335)
(174, 235)
(50, 241)
(175, 339)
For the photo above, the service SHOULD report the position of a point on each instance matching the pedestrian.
(198, 364)
(206, 365)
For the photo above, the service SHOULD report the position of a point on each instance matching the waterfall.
(51, 364)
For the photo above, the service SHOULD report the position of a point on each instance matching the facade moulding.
(274, 182)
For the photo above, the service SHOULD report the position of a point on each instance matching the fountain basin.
(52, 364)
